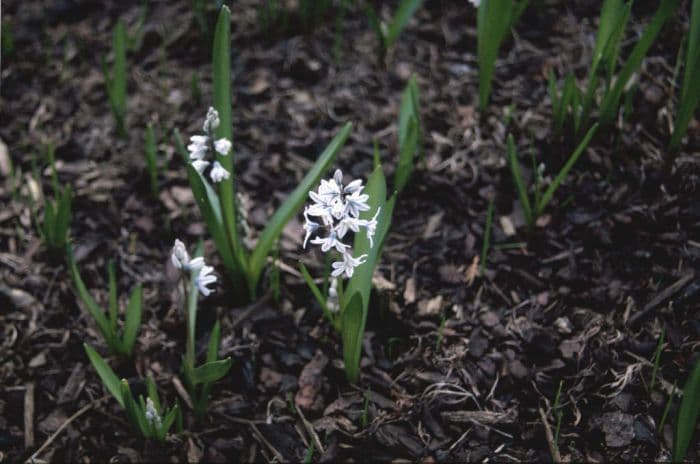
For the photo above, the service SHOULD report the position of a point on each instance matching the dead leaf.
(310, 383)
(507, 226)
(434, 223)
(430, 307)
(409, 293)
(472, 271)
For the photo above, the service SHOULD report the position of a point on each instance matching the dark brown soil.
(581, 300)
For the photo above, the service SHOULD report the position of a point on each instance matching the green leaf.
(151, 159)
(214, 342)
(315, 291)
(404, 168)
(549, 193)
(494, 20)
(687, 415)
(690, 94)
(376, 26)
(135, 413)
(168, 422)
(93, 308)
(152, 391)
(63, 217)
(132, 320)
(107, 375)
(221, 67)
(209, 206)
(353, 331)
(406, 10)
(292, 204)
(611, 101)
(211, 372)
(112, 300)
(116, 84)
(518, 180)
(409, 109)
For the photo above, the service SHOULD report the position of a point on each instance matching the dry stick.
(311, 431)
(665, 294)
(553, 448)
(256, 432)
(68, 421)
(29, 416)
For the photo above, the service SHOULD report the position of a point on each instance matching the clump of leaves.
(148, 416)
(120, 344)
(388, 33)
(55, 224)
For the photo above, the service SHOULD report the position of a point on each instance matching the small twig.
(68, 421)
(180, 389)
(553, 448)
(257, 434)
(250, 308)
(29, 416)
(311, 431)
(665, 294)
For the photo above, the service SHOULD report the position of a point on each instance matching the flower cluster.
(339, 208)
(152, 415)
(182, 261)
(201, 145)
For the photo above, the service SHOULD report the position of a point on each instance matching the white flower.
(475, 3)
(330, 242)
(339, 208)
(212, 120)
(370, 226)
(151, 413)
(347, 265)
(198, 147)
(204, 278)
(309, 226)
(200, 165)
(218, 173)
(356, 202)
(348, 223)
(223, 146)
(332, 300)
(181, 259)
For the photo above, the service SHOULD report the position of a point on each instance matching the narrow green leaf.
(112, 299)
(221, 67)
(132, 320)
(376, 26)
(214, 342)
(292, 204)
(211, 372)
(152, 392)
(107, 375)
(135, 412)
(549, 193)
(63, 217)
(487, 236)
(409, 108)
(403, 15)
(611, 101)
(168, 421)
(687, 415)
(151, 159)
(353, 331)
(93, 308)
(690, 91)
(404, 167)
(315, 291)
(518, 180)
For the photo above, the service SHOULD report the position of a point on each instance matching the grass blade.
(487, 237)
(93, 308)
(292, 204)
(112, 300)
(518, 180)
(406, 10)
(107, 375)
(132, 320)
(549, 193)
(353, 330)
(690, 91)
(151, 159)
(315, 291)
(687, 415)
(611, 101)
(407, 151)
(214, 342)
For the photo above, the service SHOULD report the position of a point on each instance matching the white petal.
(200, 165)
(223, 146)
